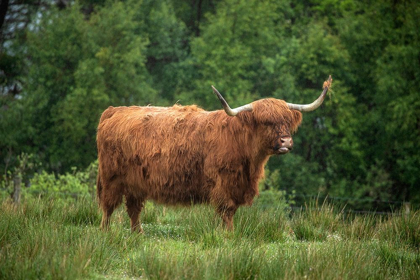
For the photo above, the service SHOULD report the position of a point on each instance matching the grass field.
(47, 239)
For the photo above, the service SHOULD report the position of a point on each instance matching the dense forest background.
(63, 62)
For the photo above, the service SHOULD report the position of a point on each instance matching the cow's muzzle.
(286, 145)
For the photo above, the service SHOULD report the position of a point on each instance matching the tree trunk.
(4, 5)
(407, 208)
(17, 182)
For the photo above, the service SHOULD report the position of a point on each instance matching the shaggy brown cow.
(184, 155)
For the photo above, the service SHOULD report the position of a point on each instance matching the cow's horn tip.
(327, 83)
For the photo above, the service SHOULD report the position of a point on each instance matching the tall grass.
(49, 239)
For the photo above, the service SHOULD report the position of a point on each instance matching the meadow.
(55, 239)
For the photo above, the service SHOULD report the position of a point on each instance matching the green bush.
(67, 186)
(270, 194)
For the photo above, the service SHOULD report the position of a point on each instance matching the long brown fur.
(183, 155)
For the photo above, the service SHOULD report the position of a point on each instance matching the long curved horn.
(228, 110)
(316, 103)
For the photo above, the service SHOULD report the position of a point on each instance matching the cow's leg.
(107, 210)
(227, 211)
(222, 199)
(109, 201)
(106, 216)
(134, 206)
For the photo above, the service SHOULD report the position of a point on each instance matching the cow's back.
(156, 152)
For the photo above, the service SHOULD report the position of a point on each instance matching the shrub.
(67, 186)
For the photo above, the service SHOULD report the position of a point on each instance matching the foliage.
(75, 59)
(167, 49)
(68, 186)
(25, 164)
(271, 196)
(77, 67)
(64, 186)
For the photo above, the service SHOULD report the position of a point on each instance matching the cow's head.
(276, 119)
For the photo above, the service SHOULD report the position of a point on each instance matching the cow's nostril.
(286, 142)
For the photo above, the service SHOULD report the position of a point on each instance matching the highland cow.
(184, 154)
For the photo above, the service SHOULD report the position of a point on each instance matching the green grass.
(47, 239)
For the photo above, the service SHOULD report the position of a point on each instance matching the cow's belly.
(184, 194)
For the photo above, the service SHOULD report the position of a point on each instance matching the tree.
(232, 47)
(167, 49)
(77, 68)
(383, 44)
